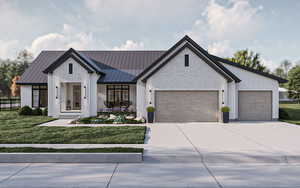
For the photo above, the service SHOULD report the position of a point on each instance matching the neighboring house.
(284, 95)
(184, 83)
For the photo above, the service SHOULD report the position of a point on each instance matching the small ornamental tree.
(14, 88)
(294, 83)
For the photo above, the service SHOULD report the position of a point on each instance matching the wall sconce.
(223, 96)
(150, 90)
(56, 92)
(84, 92)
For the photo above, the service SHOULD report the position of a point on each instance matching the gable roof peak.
(84, 61)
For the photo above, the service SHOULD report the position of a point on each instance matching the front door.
(76, 97)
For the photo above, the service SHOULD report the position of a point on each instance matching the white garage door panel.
(186, 106)
(255, 105)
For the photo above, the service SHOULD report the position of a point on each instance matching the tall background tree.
(294, 83)
(283, 69)
(249, 59)
(10, 69)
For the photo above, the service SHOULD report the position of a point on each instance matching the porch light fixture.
(150, 90)
(56, 92)
(84, 92)
(223, 96)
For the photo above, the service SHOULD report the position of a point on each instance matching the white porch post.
(140, 99)
(93, 99)
(232, 99)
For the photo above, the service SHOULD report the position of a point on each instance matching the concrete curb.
(222, 159)
(71, 157)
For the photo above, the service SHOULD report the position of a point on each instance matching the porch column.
(232, 99)
(140, 99)
(93, 99)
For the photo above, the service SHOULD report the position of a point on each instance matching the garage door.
(255, 105)
(186, 106)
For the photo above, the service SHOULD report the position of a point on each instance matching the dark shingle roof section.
(280, 80)
(118, 66)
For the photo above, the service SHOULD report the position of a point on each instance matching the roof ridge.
(106, 50)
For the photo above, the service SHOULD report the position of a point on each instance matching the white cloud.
(237, 20)
(68, 38)
(9, 49)
(130, 45)
(221, 48)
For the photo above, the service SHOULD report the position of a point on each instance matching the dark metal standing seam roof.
(118, 66)
(123, 66)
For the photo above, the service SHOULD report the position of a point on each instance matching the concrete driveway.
(184, 155)
(234, 142)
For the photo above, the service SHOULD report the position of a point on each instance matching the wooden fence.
(10, 103)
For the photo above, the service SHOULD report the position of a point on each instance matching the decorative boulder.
(102, 116)
(129, 117)
(141, 119)
(112, 117)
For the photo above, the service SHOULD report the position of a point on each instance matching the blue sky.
(269, 27)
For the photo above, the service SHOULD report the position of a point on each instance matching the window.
(70, 68)
(117, 95)
(39, 96)
(186, 60)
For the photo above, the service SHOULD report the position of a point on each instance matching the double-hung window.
(117, 95)
(39, 96)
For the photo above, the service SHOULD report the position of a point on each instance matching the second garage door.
(255, 105)
(186, 106)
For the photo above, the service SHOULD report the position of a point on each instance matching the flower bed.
(110, 119)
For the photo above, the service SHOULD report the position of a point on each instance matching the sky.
(268, 27)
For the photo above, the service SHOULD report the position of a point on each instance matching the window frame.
(39, 88)
(119, 88)
(186, 60)
(70, 68)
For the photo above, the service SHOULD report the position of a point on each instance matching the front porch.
(71, 98)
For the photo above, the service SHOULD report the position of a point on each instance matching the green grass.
(89, 150)
(15, 129)
(294, 112)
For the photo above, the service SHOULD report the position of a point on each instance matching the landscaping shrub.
(150, 109)
(283, 114)
(37, 112)
(45, 112)
(117, 113)
(119, 120)
(86, 120)
(25, 110)
(225, 109)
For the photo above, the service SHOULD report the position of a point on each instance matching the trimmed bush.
(45, 112)
(86, 120)
(25, 110)
(283, 114)
(150, 109)
(117, 113)
(37, 112)
(225, 109)
(119, 120)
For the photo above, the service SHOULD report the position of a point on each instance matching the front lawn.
(293, 110)
(86, 150)
(15, 129)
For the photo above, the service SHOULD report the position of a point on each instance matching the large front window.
(117, 96)
(39, 96)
